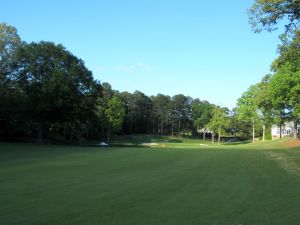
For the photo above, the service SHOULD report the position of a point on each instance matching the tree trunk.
(204, 133)
(162, 128)
(281, 122)
(108, 135)
(253, 132)
(153, 128)
(103, 132)
(212, 137)
(172, 128)
(131, 121)
(219, 137)
(179, 135)
(72, 131)
(40, 134)
(264, 132)
(280, 130)
(235, 129)
(295, 130)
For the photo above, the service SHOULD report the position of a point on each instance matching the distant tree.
(107, 92)
(201, 113)
(101, 105)
(294, 101)
(114, 112)
(181, 112)
(284, 91)
(196, 113)
(289, 54)
(12, 99)
(127, 98)
(247, 109)
(284, 85)
(9, 40)
(264, 103)
(266, 14)
(138, 112)
(141, 109)
(232, 122)
(161, 112)
(278, 92)
(57, 85)
(218, 122)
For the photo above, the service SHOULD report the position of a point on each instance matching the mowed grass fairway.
(172, 185)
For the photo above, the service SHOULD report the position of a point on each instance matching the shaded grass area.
(175, 142)
(217, 185)
(166, 141)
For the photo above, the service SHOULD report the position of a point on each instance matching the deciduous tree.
(247, 109)
(161, 111)
(56, 84)
(181, 112)
(266, 14)
(9, 40)
(201, 113)
(218, 122)
(114, 113)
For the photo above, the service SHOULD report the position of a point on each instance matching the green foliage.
(279, 89)
(249, 115)
(289, 54)
(276, 96)
(284, 85)
(161, 106)
(9, 40)
(284, 91)
(219, 120)
(59, 91)
(115, 114)
(181, 113)
(47, 92)
(266, 14)
(247, 106)
(201, 113)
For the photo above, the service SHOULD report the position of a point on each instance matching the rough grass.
(183, 183)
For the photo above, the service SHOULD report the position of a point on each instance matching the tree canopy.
(9, 40)
(47, 93)
(266, 14)
(115, 115)
(218, 121)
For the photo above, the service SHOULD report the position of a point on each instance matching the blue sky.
(204, 49)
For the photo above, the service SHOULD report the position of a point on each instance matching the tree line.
(276, 98)
(47, 93)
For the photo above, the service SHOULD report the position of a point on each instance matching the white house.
(287, 129)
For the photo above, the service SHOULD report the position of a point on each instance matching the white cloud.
(124, 68)
(99, 69)
(137, 67)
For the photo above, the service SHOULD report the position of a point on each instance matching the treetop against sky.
(203, 49)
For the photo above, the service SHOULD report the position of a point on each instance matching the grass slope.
(217, 185)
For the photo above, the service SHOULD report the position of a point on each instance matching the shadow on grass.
(146, 141)
(174, 141)
(136, 139)
(236, 143)
(117, 145)
(141, 139)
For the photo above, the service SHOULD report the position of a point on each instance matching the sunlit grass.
(181, 183)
